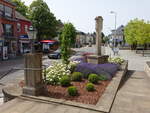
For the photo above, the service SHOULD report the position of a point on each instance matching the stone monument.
(98, 58)
(33, 74)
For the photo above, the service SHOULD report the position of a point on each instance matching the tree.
(129, 32)
(137, 32)
(103, 37)
(43, 20)
(21, 7)
(68, 36)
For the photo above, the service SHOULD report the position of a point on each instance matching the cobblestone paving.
(16, 75)
(6, 66)
(136, 61)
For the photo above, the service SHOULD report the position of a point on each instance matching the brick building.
(23, 24)
(8, 35)
(13, 29)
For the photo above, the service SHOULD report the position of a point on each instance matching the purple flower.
(107, 69)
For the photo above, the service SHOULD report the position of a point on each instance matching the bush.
(108, 69)
(116, 60)
(85, 76)
(55, 72)
(76, 76)
(72, 65)
(72, 91)
(90, 87)
(65, 81)
(93, 78)
(102, 77)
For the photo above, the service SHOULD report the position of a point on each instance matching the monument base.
(33, 91)
(97, 59)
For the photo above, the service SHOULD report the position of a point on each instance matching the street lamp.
(32, 36)
(113, 12)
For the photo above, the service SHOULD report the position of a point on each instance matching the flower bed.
(107, 70)
(60, 76)
(103, 104)
(59, 92)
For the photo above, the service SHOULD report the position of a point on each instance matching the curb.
(104, 104)
(147, 68)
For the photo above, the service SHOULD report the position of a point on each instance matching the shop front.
(10, 46)
(25, 44)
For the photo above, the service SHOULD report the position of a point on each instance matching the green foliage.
(65, 81)
(72, 91)
(86, 76)
(102, 78)
(44, 21)
(21, 7)
(90, 87)
(116, 60)
(93, 78)
(76, 76)
(57, 70)
(103, 37)
(137, 32)
(68, 36)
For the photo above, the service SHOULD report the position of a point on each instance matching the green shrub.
(76, 76)
(102, 77)
(93, 78)
(90, 87)
(72, 91)
(65, 81)
(85, 76)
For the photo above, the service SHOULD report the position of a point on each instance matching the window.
(1, 9)
(8, 11)
(8, 29)
(26, 28)
(18, 27)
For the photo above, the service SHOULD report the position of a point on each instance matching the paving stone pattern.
(134, 95)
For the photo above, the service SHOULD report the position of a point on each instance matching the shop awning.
(24, 36)
(47, 41)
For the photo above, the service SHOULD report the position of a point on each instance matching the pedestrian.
(116, 50)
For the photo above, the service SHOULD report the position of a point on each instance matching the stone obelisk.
(98, 58)
(99, 25)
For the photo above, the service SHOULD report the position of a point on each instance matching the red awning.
(47, 41)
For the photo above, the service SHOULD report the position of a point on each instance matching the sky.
(82, 13)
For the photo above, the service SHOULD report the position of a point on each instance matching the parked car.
(56, 54)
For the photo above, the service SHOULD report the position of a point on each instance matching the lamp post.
(113, 12)
(32, 36)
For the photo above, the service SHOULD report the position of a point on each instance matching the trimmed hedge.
(76, 76)
(93, 78)
(65, 81)
(72, 91)
(90, 87)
